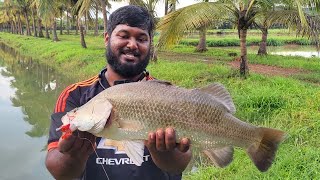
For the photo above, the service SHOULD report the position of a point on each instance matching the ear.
(106, 39)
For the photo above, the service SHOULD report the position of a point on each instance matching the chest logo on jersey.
(111, 144)
(118, 149)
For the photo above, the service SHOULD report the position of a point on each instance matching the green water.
(28, 92)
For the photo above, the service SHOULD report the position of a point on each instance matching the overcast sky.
(160, 6)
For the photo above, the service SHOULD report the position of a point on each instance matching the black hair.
(131, 15)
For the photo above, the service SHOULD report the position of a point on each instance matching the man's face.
(128, 50)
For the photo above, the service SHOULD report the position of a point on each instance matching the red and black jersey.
(110, 153)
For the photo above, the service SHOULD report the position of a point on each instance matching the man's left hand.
(166, 153)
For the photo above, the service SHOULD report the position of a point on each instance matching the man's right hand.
(78, 144)
(69, 159)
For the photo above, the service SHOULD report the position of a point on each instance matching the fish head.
(91, 117)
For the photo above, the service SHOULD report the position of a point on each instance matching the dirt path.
(257, 68)
(269, 70)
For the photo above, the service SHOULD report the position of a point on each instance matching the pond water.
(289, 50)
(28, 92)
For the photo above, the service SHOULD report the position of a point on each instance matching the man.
(128, 41)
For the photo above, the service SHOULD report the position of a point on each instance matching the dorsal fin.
(221, 93)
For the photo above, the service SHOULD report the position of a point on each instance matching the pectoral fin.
(220, 157)
(134, 150)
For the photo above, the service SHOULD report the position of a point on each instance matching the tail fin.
(264, 153)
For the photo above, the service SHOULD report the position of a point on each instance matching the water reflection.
(289, 50)
(27, 97)
(37, 88)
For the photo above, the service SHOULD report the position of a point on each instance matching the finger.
(184, 145)
(86, 147)
(160, 141)
(170, 139)
(91, 144)
(65, 144)
(76, 148)
(151, 142)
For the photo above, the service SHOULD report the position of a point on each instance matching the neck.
(112, 76)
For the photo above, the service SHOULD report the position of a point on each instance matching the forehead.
(129, 29)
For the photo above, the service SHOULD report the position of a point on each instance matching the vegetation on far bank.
(288, 103)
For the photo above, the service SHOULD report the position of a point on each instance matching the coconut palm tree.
(24, 6)
(292, 14)
(104, 6)
(242, 13)
(81, 9)
(48, 10)
(13, 11)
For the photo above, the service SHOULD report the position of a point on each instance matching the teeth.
(130, 55)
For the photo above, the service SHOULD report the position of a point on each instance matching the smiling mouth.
(130, 56)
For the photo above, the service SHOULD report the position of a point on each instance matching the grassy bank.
(66, 55)
(285, 103)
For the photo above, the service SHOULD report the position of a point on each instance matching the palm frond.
(174, 25)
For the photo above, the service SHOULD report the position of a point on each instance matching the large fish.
(204, 115)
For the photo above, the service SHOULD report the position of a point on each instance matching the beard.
(126, 70)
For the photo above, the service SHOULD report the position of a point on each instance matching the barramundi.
(128, 112)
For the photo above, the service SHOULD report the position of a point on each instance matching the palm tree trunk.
(27, 21)
(17, 27)
(47, 32)
(12, 27)
(166, 7)
(76, 26)
(68, 23)
(20, 25)
(85, 24)
(244, 69)
(202, 47)
(154, 54)
(263, 45)
(35, 34)
(55, 36)
(14, 24)
(83, 42)
(96, 24)
(104, 13)
(40, 27)
(61, 14)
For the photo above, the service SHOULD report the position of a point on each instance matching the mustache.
(129, 51)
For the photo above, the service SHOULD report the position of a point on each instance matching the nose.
(132, 44)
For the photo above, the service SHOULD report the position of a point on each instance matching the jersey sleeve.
(67, 101)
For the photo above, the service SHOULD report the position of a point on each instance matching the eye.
(142, 39)
(123, 36)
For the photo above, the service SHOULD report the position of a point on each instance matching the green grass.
(291, 104)
(235, 41)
